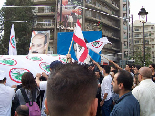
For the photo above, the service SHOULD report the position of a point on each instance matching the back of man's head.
(146, 72)
(107, 69)
(71, 90)
(126, 78)
(22, 110)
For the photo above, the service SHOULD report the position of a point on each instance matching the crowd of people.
(74, 89)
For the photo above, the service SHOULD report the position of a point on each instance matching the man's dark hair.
(138, 66)
(107, 68)
(126, 78)
(71, 90)
(22, 110)
(2, 81)
(130, 66)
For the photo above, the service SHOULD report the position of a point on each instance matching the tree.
(138, 56)
(23, 30)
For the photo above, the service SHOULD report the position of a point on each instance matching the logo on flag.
(15, 74)
(13, 43)
(97, 44)
(8, 62)
(45, 67)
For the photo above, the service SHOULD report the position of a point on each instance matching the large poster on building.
(71, 11)
(39, 42)
(64, 40)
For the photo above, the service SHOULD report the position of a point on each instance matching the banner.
(64, 40)
(12, 42)
(39, 42)
(15, 65)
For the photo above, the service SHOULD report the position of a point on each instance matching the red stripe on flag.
(79, 41)
(78, 23)
(83, 44)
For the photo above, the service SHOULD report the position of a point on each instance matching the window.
(47, 9)
(47, 22)
(136, 35)
(136, 41)
(136, 29)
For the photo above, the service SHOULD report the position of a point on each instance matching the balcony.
(43, 2)
(44, 11)
(44, 25)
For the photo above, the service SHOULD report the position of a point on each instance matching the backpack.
(34, 109)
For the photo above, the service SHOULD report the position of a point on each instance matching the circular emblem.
(15, 74)
(12, 41)
(63, 59)
(34, 58)
(45, 66)
(97, 44)
(8, 61)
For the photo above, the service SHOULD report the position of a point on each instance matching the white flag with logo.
(97, 45)
(12, 43)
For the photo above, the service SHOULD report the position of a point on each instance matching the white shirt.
(43, 86)
(145, 94)
(6, 95)
(106, 87)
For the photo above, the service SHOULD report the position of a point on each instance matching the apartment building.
(109, 13)
(149, 34)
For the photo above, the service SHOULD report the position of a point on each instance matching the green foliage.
(138, 56)
(23, 30)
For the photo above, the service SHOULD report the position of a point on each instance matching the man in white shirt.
(106, 89)
(144, 92)
(106, 92)
(6, 96)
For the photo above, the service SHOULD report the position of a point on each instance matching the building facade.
(149, 34)
(97, 15)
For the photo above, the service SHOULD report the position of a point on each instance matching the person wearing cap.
(43, 84)
(6, 95)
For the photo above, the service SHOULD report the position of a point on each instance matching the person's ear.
(47, 111)
(94, 106)
(120, 85)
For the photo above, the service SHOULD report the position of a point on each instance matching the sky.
(135, 6)
(149, 5)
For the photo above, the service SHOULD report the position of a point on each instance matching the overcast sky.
(135, 6)
(149, 5)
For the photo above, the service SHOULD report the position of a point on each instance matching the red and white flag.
(82, 50)
(12, 43)
(97, 45)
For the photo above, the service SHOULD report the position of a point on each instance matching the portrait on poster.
(39, 42)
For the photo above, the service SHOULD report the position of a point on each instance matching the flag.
(12, 43)
(82, 50)
(97, 45)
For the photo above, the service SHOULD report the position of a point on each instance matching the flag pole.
(100, 54)
(70, 46)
